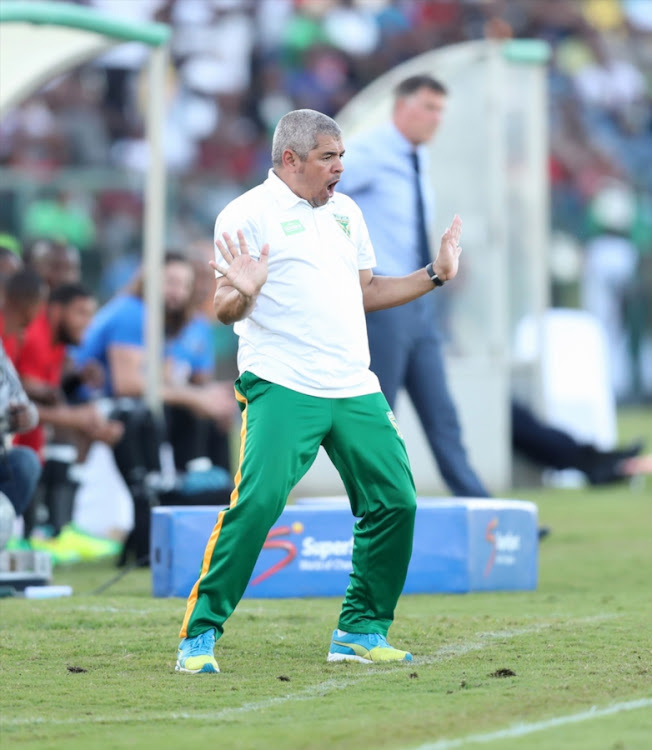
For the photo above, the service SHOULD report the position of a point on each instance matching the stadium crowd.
(236, 67)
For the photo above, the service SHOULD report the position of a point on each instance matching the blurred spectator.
(120, 239)
(19, 466)
(116, 341)
(10, 262)
(353, 29)
(62, 217)
(11, 243)
(122, 63)
(75, 102)
(200, 253)
(55, 262)
(198, 411)
(322, 80)
(40, 361)
(610, 268)
(24, 294)
(548, 447)
(40, 356)
(33, 139)
(638, 15)
(224, 341)
(608, 84)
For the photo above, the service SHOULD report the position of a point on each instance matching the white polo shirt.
(307, 330)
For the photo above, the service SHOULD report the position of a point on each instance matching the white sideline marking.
(157, 611)
(311, 692)
(483, 639)
(112, 610)
(445, 652)
(520, 730)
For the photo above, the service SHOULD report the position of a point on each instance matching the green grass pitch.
(570, 664)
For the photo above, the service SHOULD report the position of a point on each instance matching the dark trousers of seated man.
(137, 455)
(193, 437)
(19, 472)
(54, 497)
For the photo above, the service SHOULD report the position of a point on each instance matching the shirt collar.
(400, 144)
(281, 191)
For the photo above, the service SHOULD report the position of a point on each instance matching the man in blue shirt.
(198, 411)
(115, 340)
(386, 174)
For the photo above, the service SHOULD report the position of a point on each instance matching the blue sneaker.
(367, 648)
(195, 655)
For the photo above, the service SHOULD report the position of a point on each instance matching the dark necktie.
(422, 234)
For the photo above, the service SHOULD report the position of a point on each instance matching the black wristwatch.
(433, 276)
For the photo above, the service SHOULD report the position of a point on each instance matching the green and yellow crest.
(344, 222)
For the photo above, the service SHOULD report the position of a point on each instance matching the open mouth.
(331, 188)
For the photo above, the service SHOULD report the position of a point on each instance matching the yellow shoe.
(363, 647)
(195, 655)
(60, 555)
(87, 546)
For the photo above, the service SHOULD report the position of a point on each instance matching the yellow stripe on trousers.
(212, 541)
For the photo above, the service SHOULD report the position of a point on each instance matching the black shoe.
(605, 467)
(635, 449)
(543, 532)
(131, 555)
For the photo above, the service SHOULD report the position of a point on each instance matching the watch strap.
(433, 276)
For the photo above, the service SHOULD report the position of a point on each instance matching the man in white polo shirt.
(294, 273)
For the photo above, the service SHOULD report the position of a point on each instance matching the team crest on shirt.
(292, 227)
(392, 419)
(344, 222)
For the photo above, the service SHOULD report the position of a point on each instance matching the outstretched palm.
(448, 258)
(243, 272)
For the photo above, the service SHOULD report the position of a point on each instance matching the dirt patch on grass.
(503, 673)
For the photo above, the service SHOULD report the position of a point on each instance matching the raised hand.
(243, 272)
(447, 261)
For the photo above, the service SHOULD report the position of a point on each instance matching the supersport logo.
(272, 543)
(505, 546)
(491, 538)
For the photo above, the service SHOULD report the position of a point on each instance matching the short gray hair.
(298, 130)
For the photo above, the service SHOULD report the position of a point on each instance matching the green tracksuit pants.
(281, 434)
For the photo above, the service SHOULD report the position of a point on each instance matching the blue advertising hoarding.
(459, 546)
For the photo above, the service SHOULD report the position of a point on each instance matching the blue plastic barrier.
(459, 546)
